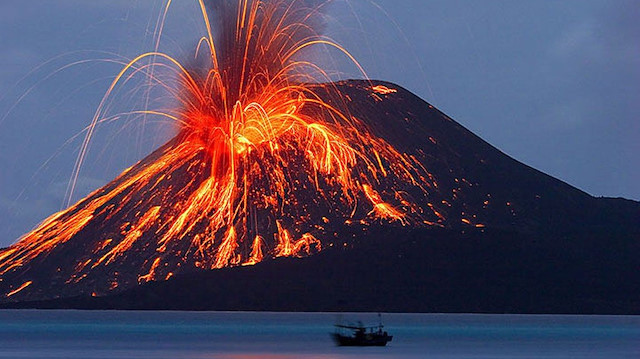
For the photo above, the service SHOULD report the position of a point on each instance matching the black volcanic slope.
(546, 247)
(489, 271)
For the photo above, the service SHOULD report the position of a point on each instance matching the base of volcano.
(478, 271)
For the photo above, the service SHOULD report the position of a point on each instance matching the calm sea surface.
(158, 335)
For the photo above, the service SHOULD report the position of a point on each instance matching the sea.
(248, 335)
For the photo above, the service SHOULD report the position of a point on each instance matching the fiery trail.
(259, 146)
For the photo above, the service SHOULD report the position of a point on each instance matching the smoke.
(256, 36)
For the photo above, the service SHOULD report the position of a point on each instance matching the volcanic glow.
(258, 150)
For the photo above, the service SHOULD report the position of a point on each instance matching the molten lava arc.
(267, 162)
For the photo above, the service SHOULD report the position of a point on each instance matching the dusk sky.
(554, 84)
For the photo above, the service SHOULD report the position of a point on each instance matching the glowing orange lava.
(259, 147)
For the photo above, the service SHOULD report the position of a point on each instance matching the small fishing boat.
(361, 336)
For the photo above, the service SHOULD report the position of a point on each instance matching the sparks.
(258, 144)
(20, 288)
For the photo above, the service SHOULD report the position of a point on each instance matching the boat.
(360, 336)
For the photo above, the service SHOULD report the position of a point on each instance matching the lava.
(258, 145)
(19, 289)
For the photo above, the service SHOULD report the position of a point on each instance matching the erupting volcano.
(269, 160)
(272, 159)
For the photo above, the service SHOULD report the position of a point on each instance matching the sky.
(554, 84)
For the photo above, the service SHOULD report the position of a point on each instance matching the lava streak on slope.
(268, 161)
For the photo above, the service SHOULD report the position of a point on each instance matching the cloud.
(607, 36)
(580, 39)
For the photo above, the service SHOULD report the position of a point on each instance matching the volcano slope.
(480, 232)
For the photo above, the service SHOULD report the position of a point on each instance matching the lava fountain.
(267, 162)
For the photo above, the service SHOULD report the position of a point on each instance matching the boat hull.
(368, 340)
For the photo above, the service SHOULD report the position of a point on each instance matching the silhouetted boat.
(361, 336)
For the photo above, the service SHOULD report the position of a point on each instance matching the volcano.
(481, 211)
(273, 162)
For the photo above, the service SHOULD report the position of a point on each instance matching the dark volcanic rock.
(437, 270)
(540, 245)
